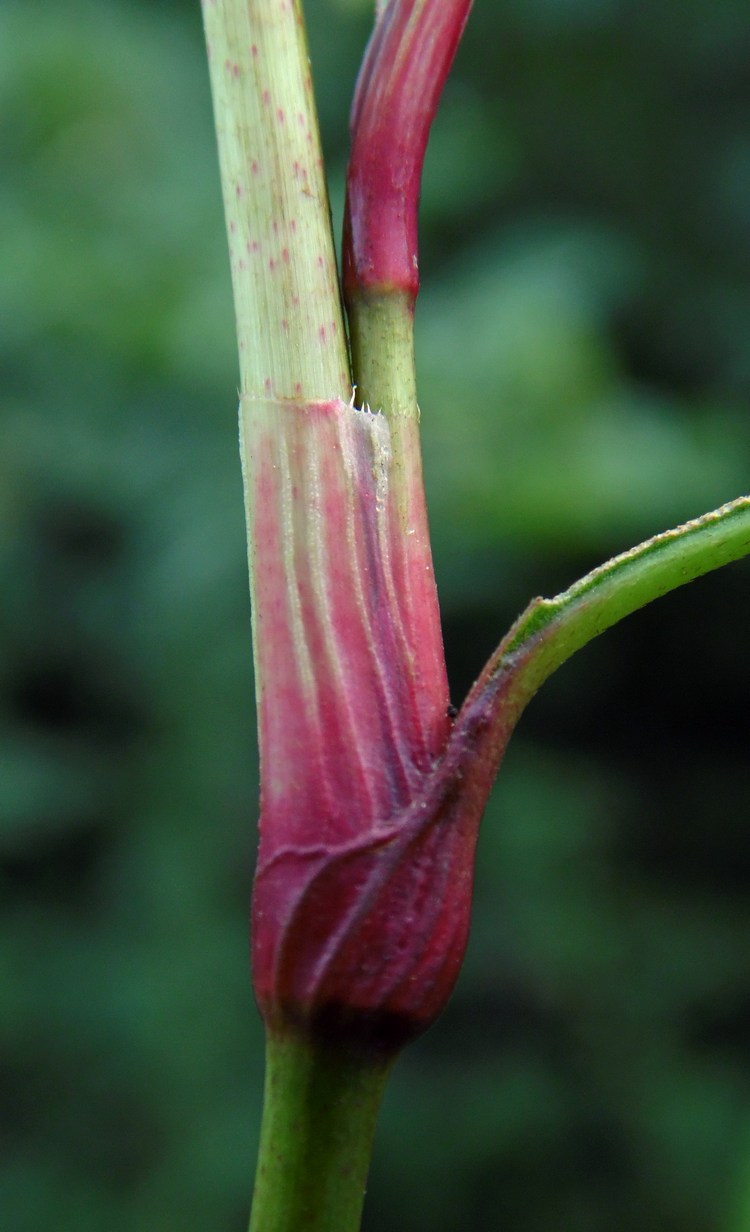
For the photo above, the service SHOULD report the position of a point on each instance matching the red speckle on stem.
(293, 225)
(253, 246)
(285, 255)
(280, 115)
(268, 384)
(271, 263)
(322, 334)
(298, 387)
(266, 97)
(253, 50)
(254, 168)
(238, 190)
(233, 226)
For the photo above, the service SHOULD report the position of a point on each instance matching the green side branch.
(551, 630)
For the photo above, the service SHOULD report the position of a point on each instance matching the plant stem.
(319, 1118)
(320, 1106)
(551, 630)
(381, 328)
(405, 68)
(290, 328)
(402, 77)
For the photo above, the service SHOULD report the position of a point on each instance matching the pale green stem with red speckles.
(288, 307)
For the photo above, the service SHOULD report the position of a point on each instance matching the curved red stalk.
(405, 67)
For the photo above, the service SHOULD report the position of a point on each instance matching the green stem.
(381, 330)
(551, 630)
(319, 1114)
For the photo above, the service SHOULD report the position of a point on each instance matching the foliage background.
(585, 374)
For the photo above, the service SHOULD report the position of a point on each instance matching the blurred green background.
(584, 356)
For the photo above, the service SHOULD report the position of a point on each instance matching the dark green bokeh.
(584, 356)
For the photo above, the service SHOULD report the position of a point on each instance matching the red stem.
(405, 68)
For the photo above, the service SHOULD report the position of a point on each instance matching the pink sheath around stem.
(351, 679)
(353, 701)
(371, 796)
(402, 77)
